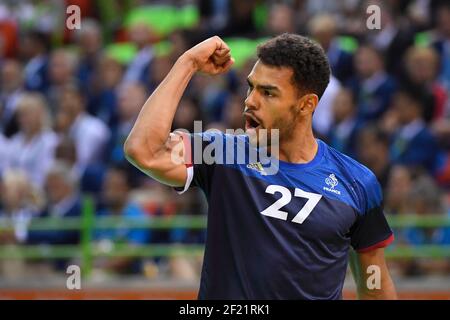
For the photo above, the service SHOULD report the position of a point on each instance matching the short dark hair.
(305, 56)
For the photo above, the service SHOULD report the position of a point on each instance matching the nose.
(251, 102)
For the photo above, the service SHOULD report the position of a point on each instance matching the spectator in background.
(317, 7)
(160, 69)
(89, 40)
(116, 203)
(323, 115)
(233, 113)
(66, 152)
(424, 198)
(63, 201)
(89, 134)
(442, 41)
(131, 98)
(103, 103)
(35, 48)
(240, 20)
(3, 153)
(62, 69)
(345, 127)
(227, 18)
(413, 143)
(11, 84)
(20, 202)
(213, 15)
(9, 33)
(32, 148)
(372, 86)
(441, 45)
(180, 41)
(281, 19)
(422, 65)
(188, 111)
(2, 48)
(398, 187)
(372, 149)
(138, 69)
(393, 38)
(323, 28)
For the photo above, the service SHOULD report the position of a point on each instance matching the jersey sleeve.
(371, 229)
(203, 151)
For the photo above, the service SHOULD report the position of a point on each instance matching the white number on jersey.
(274, 209)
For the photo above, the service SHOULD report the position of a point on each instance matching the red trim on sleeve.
(378, 245)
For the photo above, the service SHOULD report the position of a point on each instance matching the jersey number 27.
(286, 196)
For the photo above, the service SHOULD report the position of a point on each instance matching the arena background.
(72, 85)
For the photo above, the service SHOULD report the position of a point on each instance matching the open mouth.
(251, 122)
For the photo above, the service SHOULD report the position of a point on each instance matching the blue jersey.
(285, 235)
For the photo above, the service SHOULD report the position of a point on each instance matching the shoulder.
(362, 179)
(345, 162)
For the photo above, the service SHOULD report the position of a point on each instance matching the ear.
(308, 103)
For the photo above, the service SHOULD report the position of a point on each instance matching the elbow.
(130, 148)
(134, 152)
(138, 155)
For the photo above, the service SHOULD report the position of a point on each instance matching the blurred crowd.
(67, 105)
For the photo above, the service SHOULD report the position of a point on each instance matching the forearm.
(152, 127)
(385, 292)
(148, 146)
(372, 276)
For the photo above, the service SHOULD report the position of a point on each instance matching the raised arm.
(149, 144)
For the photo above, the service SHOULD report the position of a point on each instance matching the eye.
(267, 93)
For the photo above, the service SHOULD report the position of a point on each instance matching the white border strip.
(190, 176)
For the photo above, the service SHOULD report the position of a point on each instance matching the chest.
(285, 205)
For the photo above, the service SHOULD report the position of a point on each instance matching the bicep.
(167, 165)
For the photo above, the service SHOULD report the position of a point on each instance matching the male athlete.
(271, 236)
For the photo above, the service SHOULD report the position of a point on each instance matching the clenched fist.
(211, 56)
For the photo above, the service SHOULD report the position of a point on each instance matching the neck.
(300, 148)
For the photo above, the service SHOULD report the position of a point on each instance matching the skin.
(272, 100)
(275, 103)
(30, 121)
(360, 264)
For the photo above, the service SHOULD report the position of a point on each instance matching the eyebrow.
(263, 86)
